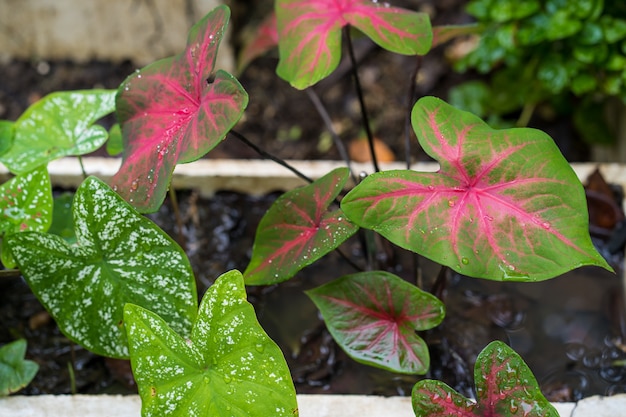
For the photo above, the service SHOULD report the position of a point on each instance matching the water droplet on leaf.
(451, 203)
(464, 261)
(259, 347)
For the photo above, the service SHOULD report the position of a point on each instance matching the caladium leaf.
(6, 136)
(15, 371)
(298, 229)
(505, 204)
(266, 38)
(120, 257)
(115, 144)
(175, 111)
(60, 124)
(228, 367)
(26, 204)
(504, 387)
(374, 317)
(309, 33)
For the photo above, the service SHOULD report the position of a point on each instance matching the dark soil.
(569, 329)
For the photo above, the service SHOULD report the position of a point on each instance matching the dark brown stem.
(267, 155)
(179, 219)
(359, 92)
(407, 121)
(10, 273)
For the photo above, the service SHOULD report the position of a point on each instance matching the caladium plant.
(15, 371)
(120, 257)
(309, 33)
(504, 387)
(505, 204)
(25, 205)
(227, 367)
(374, 317)
(298, 230)
(175, 111)
(60, 124)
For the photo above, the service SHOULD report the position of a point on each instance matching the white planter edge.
(257, 177)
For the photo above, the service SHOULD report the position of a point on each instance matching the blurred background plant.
(559, 57)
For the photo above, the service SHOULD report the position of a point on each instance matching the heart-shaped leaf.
(60, 124)
(15, 372)
(505, 204)
(228, 367)
(26, 204)
(266, 38)
(298, 229)
(6, 136)
(115, 144)
(175, 111)
(504, 387)
(309, 33)
(120, 257)
(374, 317)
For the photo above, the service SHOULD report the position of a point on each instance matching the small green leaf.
(120, 257)
(15, 372)
(115, 144)
(6, 136)
(26, 204)
(60, 124)
(228, 367)
(374, 317)
(505, 386)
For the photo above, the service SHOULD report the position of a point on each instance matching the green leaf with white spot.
(25, 204)
(228, 367)
(6, 136)
(15, 371)
(119, 257)
(60, 124)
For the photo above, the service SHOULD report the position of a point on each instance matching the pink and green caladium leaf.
(175, 111)
(266, 38)
(505, 204)
(298, 229)
(309, 34)
(504, 387)
(25, 205)
(119, 257)
(227, 367)
(374, 317)
(15, 371)
(60, 124)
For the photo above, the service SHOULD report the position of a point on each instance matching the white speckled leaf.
(25, 204)
(120, 257)
(229, 366)
(60, 124)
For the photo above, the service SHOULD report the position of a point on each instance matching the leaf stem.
(82, 167)
(407, 120)
(267, 155)
(321, 110)
(526, 114)
(10, 273)
(177, 216)
(359, 92)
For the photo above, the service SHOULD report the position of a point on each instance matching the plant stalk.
(267, 155)
(321, 110)
(359, 92)
(177, 216)
(10, 273)
(407, 120)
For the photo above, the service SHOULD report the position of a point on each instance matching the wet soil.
(569, 329)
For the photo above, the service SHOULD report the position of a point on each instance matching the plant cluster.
(505, 205)
(548, 51)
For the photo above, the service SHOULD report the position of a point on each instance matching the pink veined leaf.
(298, 230)
(175, 111)
(505, 204)
(374, 317)
(266, 38)
(309, 33)
(505, 387)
